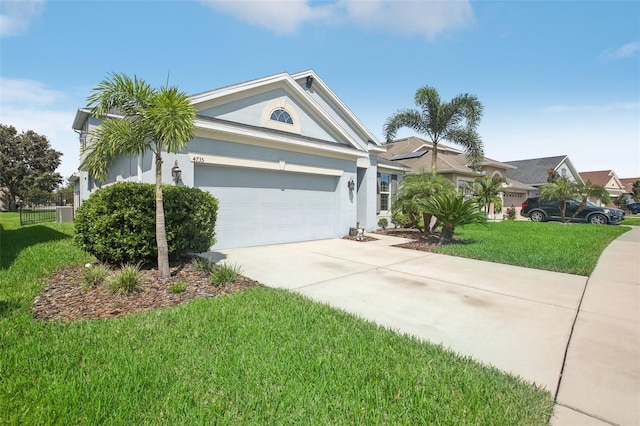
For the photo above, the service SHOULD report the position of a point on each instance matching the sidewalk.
(600, 384)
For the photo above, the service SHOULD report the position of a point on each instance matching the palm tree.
(453, 211)
(455, 121)
(486, 191)
(590, 191)
(561, 189)
(144, 119)
(416, 188)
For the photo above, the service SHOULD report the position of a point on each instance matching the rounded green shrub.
(117, 223)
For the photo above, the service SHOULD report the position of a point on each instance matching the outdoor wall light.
(351, 184)
(176, 173)
(309, 82)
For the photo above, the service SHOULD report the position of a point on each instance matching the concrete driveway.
(516, 319)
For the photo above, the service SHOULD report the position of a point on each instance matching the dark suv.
(539, 210)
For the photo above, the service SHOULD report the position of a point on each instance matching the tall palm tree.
(416, 188)
(455, 121)
(138, 118)
(486, 191)
(453, 211)
(561, 189)
(591, 191)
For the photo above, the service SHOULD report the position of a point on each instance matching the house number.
(197, 159)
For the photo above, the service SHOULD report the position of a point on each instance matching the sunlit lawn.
(571, 248)
(262, 356)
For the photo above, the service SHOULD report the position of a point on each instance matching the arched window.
(282, 116)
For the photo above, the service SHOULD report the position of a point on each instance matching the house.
(535, 171)
(416, 153)
(285, 157)
(608, 180)
(628, 186)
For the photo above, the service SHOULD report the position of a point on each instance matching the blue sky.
(554, 77)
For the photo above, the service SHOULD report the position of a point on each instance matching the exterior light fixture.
(351, 184)
(309, 82)
(176, 173)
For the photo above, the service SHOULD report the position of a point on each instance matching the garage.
(260, 207)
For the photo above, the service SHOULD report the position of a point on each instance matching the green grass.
(262, 356)
(632, 220)
(553, 246)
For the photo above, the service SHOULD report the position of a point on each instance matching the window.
(563, 172)
(385, 191)
(282, 116)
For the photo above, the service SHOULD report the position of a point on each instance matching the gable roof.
(355, 138)
(534, 171)
(416, 153)
(628, 184)
(295, 85)
(601, 177)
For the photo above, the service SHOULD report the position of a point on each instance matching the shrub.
(95, 275)
(178, 287)
(117, 223)
(511, 213)
(225, 273)
(399, 220)
(383, 223)
(203, 264)
(127, 280)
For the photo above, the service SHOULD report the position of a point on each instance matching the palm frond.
(410, 118)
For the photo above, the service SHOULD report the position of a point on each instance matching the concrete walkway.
(517, 319)
(601, 380)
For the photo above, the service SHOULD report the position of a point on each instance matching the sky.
(554, 77)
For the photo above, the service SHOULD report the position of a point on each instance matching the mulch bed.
(65, 298)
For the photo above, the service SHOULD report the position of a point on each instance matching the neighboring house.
(287, 160)
(608, 180)
(416, 153)
(628, 186)
(535, 171)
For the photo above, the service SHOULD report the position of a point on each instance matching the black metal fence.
(44, 208)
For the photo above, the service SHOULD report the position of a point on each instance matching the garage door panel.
(269, 207)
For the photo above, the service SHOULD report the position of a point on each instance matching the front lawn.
(571, 248)
(262, 356)
(631, 220)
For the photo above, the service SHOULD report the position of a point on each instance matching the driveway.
(516, 319)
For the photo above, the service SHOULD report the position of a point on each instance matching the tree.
(635, 191)
(416, 188)
(453, 211)
(151, 119)
(28, 164)
(621, 201)
(562, 190)
(486, 191)
(455, 122)
(589, 191)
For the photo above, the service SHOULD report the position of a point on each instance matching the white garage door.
(259, 207)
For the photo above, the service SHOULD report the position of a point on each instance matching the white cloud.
(626, 51)
(422, 17)
(427, 18)
(16, 15)
(21, 92)
(30, 105)
(281, 17)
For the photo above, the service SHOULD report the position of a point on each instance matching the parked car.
(539, 210)
(633, 208)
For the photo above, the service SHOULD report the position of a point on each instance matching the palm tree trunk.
(581, 207)
(161, 232)
(434, 159)
(447, 233)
